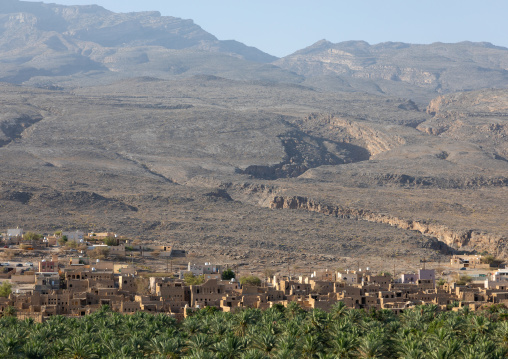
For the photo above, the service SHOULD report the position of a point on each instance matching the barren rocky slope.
(205, 162)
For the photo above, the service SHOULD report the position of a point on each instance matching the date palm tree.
(311, 346)
(242, 320)
(79, 347)
(371, 346)
(265, 341)
(165, 347)
(447, 350)
(10, 345)
(344, 345)
(410, 348)
(230, 347)
(199, 342)
(201, 354)
(253, 354)
(35, 350)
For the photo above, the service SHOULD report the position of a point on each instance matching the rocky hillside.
(406, 70)
(479, 117)
(151, 158)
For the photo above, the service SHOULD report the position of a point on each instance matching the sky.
(281, 27)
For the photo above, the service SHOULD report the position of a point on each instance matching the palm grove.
(278, 332)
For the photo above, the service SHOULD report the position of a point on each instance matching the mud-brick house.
(383, 281)
(321, 286)
(117, 251)
(47, 281)
(173, 291)
(128, 284)
(350, 277)
(207, 294)
(128, 307)
(150, 303)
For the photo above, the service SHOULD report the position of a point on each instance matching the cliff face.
(405, 70)
(479, 117)
(453, 238)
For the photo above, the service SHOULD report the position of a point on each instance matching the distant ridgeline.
(49, 45)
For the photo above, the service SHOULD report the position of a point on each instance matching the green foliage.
(109, 241)
(62, 240)
(250, 280)
(5, 289)
(423, 332)
(488, 259)
(464, 279)
(228, 274)
(191, 279)
(441, 281)
(99, 253)
(32, 236)
(71, 244)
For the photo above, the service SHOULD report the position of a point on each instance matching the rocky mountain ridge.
(55, 46)
(42, 44)
(419, 71)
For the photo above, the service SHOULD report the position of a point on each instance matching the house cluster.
(78, 287)
(115, 245)
(17, 236)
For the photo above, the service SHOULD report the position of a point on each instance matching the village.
(81, 272)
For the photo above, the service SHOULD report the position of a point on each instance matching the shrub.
(250, 280)
(488, 259)
(109, 241)
(191, 279)
(99, 253)
(32, 236)
(228, 274)
(5, 289)
(464, 279)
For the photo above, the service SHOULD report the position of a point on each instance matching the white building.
(500, 275)
(15, 232)
(76, 236)
(197, 270)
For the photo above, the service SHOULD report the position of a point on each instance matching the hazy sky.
(281, 27)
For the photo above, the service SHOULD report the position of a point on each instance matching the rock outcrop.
(479, 117)
(400, 69)
(453, 238)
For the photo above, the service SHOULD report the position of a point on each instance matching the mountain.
(43, 44)
(151, 127)
(419, 72)
(55, 46)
